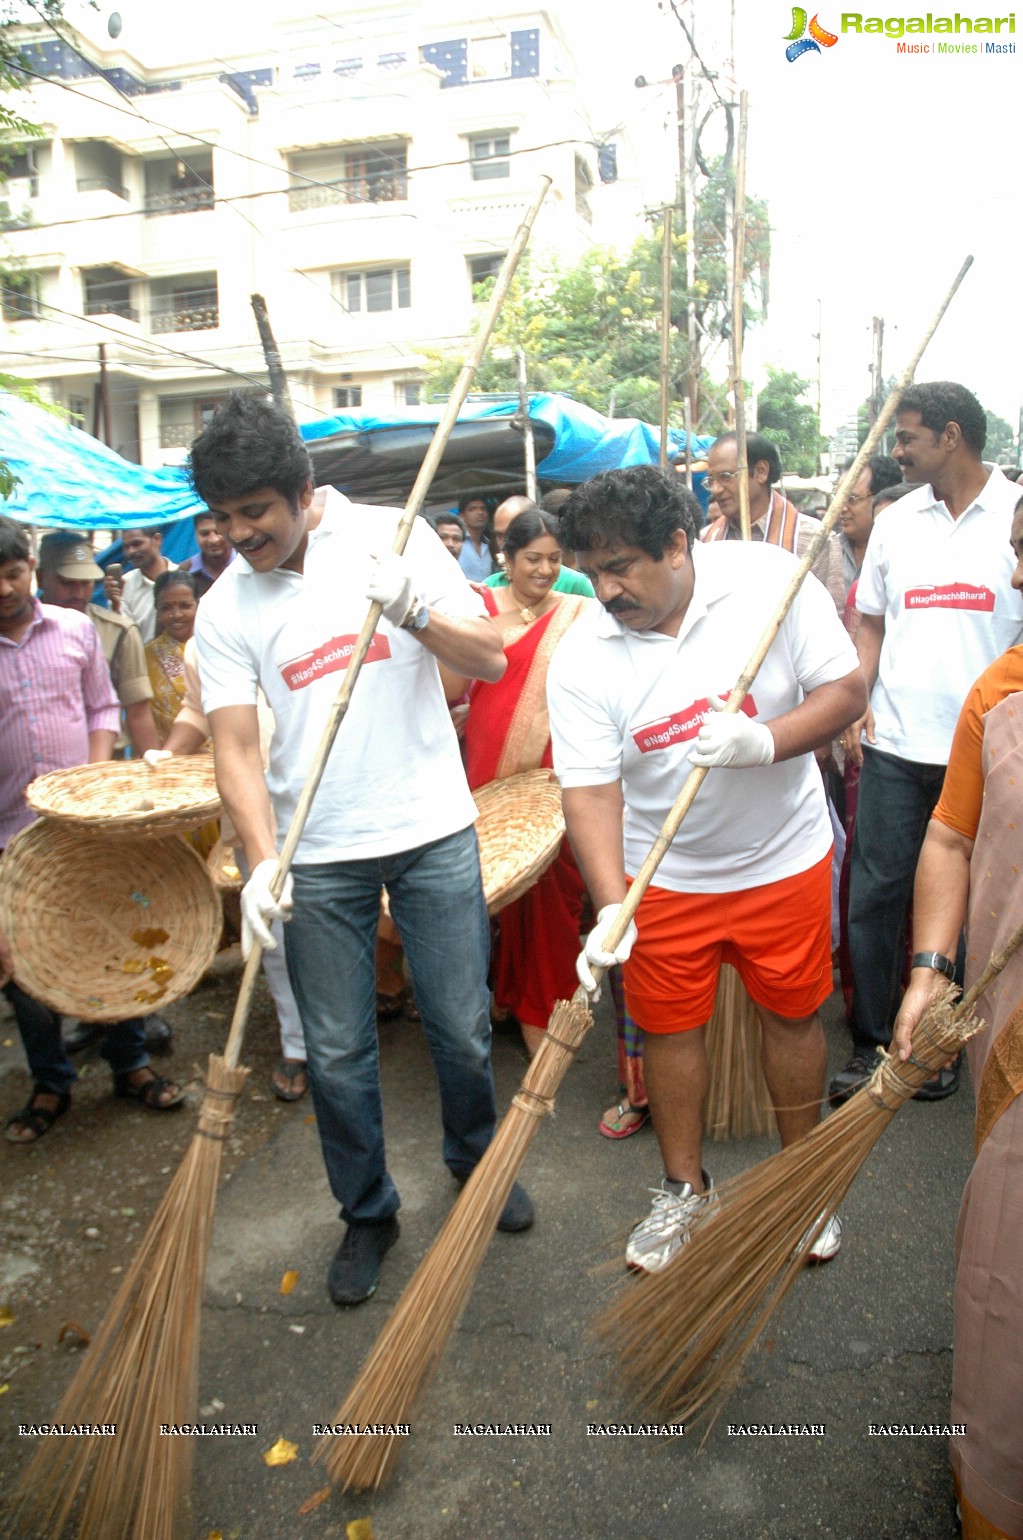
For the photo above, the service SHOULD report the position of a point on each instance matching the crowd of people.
(596, 633)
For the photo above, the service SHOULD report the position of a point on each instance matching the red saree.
(507, 731)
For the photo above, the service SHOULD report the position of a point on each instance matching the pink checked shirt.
(54, 691)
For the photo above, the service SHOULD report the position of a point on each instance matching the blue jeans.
(437, 904)
(896, 800)
(124, 1043)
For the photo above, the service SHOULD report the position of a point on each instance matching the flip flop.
(290, 1071)
(622, 1111)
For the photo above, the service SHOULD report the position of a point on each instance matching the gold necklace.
(528, 615)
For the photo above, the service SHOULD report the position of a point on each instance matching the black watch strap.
(935, 960)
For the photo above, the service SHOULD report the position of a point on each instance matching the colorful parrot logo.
(806, 39)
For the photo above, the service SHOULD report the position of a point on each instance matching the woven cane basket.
(222, 864)
(520, 829)
(130, 797)
(105, 929)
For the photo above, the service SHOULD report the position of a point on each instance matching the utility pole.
(665, 333)
(274, 367)
(687, 205)
(522, 419)
(101, 404)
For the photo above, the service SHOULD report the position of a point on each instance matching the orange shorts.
(777, 937)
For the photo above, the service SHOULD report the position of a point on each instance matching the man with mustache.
(632, 689)
(936, 606)
(393, 808)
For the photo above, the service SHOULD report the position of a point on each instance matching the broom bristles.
(681, 1335)
(402, 1362)
(141, 1368)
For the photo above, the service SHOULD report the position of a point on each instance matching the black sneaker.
(944, 1083)
(159, 1038)
(354, 1272)
(79, 1035)
(517, 1214)
(856, 1074)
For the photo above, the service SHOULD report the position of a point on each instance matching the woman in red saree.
(507, 731)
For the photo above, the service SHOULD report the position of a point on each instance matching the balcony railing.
(102, 184)
(110, 307)
(187, 201)
(195, 312)
(177, 435)
(390, 188)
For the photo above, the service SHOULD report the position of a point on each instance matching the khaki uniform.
(126, 659)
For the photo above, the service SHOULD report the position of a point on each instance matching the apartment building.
(364, 172)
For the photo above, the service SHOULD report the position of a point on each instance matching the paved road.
(865, 1339)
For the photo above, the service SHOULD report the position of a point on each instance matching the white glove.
(260, 908)
(155, 757)
(391, 586)
(731, 742)
(594, 955)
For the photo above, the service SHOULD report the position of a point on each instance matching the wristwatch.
(418, 617)
(936, 961)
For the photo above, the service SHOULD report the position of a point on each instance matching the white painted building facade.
(361, 178)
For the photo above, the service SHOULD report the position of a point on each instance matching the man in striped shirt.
(57, 709)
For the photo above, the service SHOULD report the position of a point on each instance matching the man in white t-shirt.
(936, 606)
(133, 594)
(747, 878)
(392, 810)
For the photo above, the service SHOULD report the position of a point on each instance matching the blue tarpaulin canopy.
(69, 480)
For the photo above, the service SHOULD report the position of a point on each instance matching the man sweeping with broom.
(393, 808)
(747, 879)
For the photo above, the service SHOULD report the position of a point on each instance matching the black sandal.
(38, 1120)
(290, 1071)
(149, 1092)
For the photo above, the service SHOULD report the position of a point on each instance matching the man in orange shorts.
(632, 690)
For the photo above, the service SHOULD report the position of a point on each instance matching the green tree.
(592, 330)
(790, 421)
(1001, 440)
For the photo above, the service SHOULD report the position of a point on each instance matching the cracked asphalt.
(865, 1339)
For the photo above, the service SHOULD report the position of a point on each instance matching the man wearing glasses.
(773, 519)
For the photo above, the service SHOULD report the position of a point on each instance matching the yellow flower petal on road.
(281, 1453)
(289, 1281)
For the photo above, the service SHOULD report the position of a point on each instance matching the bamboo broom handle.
(417, 498)
(695, 779)
(738, 286)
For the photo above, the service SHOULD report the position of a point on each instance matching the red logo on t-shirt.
(951, 596)
(328, 659)
(681, 726)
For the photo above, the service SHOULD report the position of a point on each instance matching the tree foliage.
(1001, 440)
(591, 330)
(790, 421)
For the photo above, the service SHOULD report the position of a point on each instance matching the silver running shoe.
(665, 1230)
(823, 1241)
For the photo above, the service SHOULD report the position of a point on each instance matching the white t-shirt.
(394, 779)
(629, 705)
(944, 587)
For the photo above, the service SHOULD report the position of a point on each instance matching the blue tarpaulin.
(68, 479)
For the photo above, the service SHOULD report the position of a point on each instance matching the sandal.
(34, 1119)
(286, 1078)
(390, 1007)
(611, 1127)
(150, 1091)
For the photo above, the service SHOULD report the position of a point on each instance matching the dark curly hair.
(940, 402)
(884, 472)
(249, 443)
(14, 542)
(637, 505)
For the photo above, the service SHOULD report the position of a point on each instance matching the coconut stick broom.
(141, 1370)
(682, 1335)
(406, 1354)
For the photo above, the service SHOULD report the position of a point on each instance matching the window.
(98, 168)
(489, 58)
(20, 296)
(107, 292)
(21, 167)
(179, 186)
(376, 289)
(346, 396)
(407, 393)
(486, 155)
(186, 304)
(360, 173)
(77, 408)
(482, 268)
(183, 417)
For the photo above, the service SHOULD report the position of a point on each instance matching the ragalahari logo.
(806, 39)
